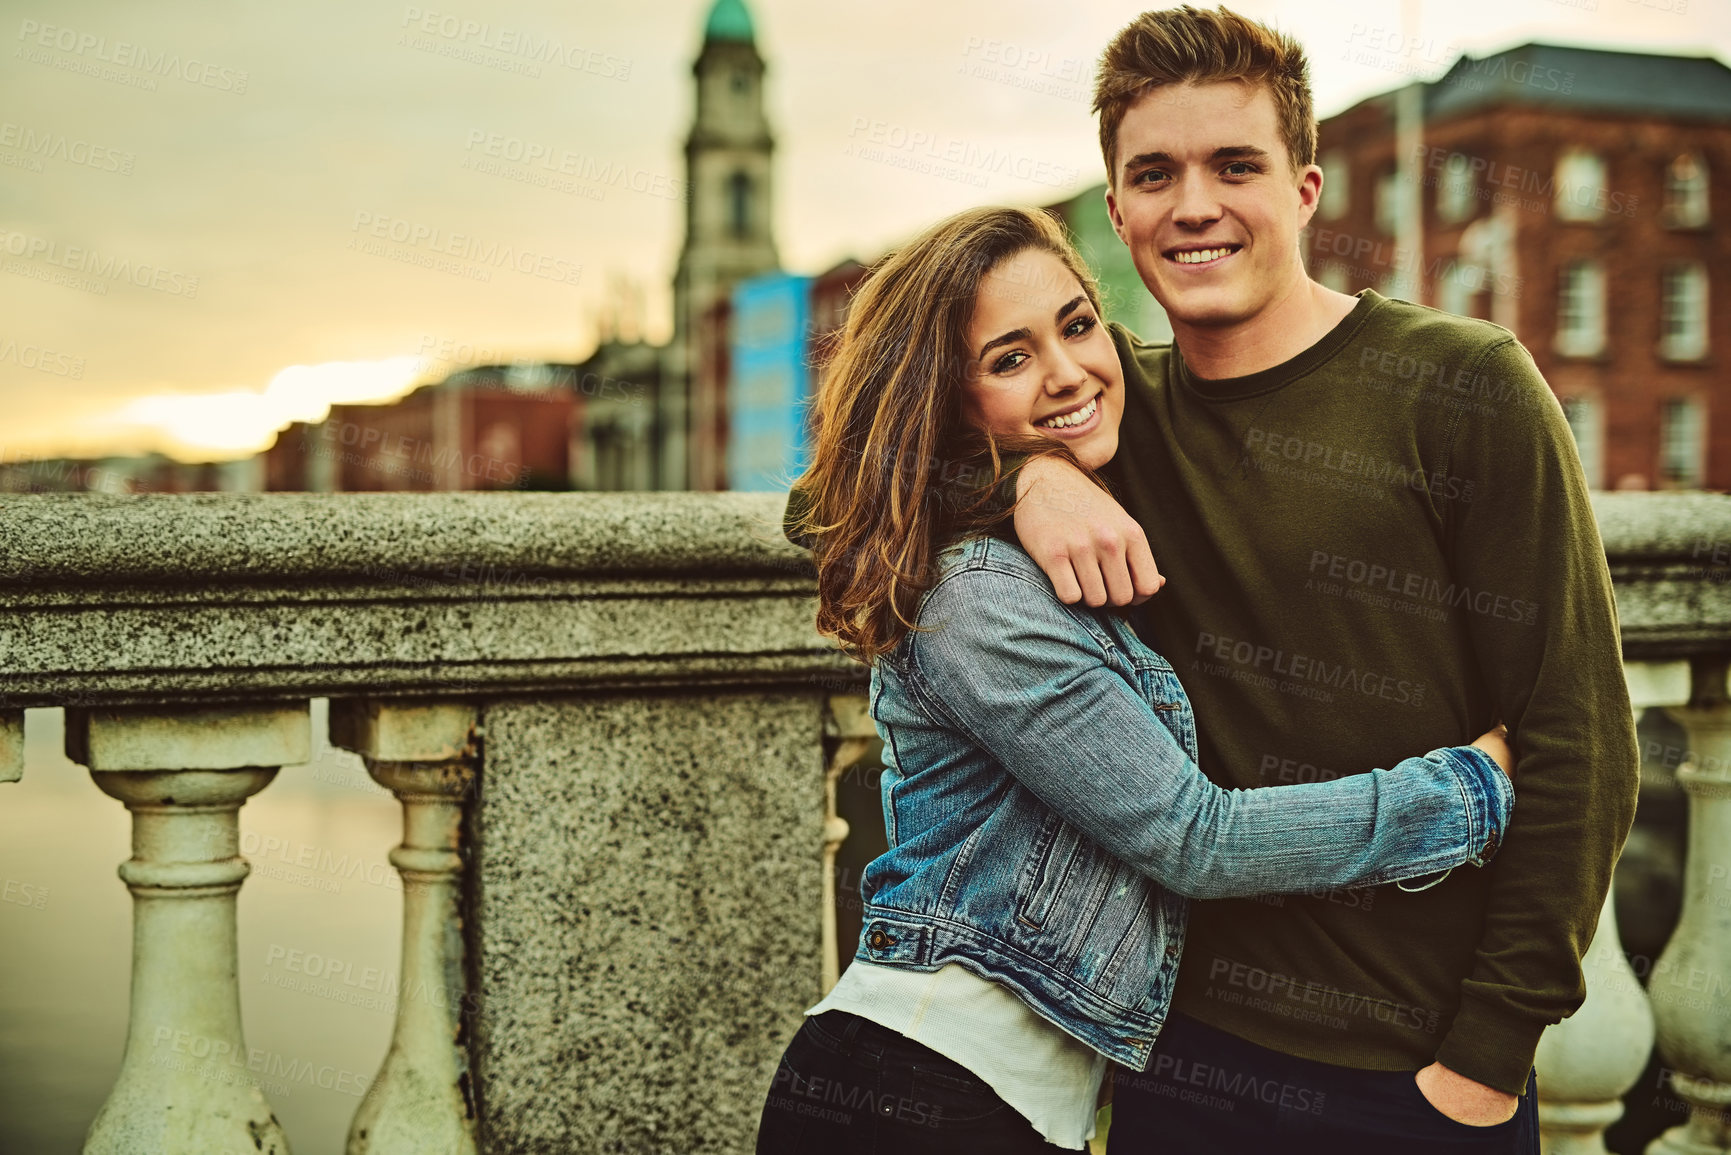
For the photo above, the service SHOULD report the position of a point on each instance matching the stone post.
(1691, 984)
(1588, 1062)
(422, 1100)
(185, 1083)
(11, 745)
(849, 734)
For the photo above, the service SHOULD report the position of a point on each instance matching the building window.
(1580, 185)
(1390, 202)
(1586, 422)
(1683, 312)
(1457, 287)
(739, 204)
(1581, 310)
(1456, 191)
(1686, 192)
(1336, 181)
(1682, 457)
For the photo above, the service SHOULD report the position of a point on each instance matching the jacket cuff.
(1490, 798)
(1490, 1045)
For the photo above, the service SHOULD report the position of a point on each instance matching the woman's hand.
(1496, 744)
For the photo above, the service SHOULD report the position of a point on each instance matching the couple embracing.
(1214, 838)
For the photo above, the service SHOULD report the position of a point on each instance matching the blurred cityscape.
(1565, 193)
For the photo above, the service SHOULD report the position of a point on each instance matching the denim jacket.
(1047, 821)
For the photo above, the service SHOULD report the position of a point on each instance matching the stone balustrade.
(616, 741)
(1670, 558)
(607, 720)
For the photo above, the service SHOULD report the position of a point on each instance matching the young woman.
(1046, 817)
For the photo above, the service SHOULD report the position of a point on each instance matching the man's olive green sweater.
(1380, 547)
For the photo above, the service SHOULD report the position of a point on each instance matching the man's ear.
(1309, 193)
(1112, 212)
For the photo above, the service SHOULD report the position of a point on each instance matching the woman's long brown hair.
(896, 471)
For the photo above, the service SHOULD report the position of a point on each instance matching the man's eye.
(1149, 176)
(1240, 168)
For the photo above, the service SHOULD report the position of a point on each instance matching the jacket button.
(1490, 848)
(1172, 951)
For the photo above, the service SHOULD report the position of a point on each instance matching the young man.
(1376, 538)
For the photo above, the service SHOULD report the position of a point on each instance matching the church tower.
(727, 232)
(727, 171)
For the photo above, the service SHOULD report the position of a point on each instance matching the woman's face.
(1040, 360)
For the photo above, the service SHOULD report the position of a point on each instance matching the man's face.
(1206, 198)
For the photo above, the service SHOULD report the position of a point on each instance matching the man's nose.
(1197, 205)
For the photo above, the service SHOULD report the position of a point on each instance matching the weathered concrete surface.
(190, 737)
(231, 597)
(405, 731)
(1670, 558)
(174, 539)
(647, 901)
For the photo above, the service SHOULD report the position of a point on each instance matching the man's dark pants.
(1210, 1093)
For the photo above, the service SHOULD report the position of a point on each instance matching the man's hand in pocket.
(1463, 1100)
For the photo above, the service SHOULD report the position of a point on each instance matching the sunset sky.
(214, 220)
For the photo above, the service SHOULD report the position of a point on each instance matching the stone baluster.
(185, 1083)
(1691, 984)
(1588, 1062)
(848, 726)
(422, 1100)
(11, 745)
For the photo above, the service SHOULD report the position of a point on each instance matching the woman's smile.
(1075, 420)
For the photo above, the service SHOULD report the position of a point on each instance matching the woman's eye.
(1079, 326)
(1008, 362)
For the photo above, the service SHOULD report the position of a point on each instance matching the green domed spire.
(728, 20)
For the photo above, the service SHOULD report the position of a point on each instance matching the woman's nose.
(1066, 374)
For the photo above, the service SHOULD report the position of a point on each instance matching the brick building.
(491, 427)
(1580, 198)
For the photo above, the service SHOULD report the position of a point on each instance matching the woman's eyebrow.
(1013, 335)
(1025, 333)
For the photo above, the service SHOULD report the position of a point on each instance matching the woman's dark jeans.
(847, 1086)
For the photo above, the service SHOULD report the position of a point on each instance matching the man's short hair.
(1186, 44)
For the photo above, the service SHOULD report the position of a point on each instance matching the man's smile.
(1200, 254)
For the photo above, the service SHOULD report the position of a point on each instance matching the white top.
(1052, 1079)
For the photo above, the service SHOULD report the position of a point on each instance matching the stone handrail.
(611, 728)
(1670, 559)
(218, 597)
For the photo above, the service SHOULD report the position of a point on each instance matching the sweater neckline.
(1275, 376)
